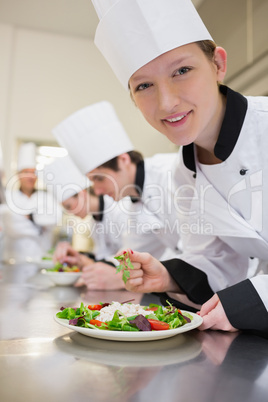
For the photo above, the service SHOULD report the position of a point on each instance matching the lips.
(177, 118)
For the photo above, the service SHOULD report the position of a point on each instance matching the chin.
(180, 141)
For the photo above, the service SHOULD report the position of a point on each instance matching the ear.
(220, 60)
(83, 193)
(124, 159)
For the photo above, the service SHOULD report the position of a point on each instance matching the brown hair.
(208, 47)
(135, 157)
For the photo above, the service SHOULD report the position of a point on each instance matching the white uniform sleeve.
(214, 257)
(48, 212)
(260, 283)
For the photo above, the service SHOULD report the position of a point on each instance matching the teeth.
(176, 119)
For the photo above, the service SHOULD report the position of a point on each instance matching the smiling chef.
(162, 52)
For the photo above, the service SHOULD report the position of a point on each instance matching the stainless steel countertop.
(43, 361)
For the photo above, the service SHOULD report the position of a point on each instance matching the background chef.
(30, 215)
(72, 189)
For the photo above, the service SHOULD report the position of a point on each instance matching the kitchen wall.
(45, 76)
(240, 26)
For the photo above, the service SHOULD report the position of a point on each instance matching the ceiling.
(68, 17)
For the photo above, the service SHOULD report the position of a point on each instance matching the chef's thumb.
(136, 256)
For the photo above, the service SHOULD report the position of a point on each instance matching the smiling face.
(178, 94)
(27, 178)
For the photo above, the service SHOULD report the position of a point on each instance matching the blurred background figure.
(30, 215)
(73, 191)
(2, 201)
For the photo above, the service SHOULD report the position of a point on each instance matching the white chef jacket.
(29, 239)
(105, 238)
(224, 223)
(148, 223)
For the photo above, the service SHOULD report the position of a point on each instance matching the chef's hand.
(100, 276)
(65, 253)
(148, 275)
(214, 316)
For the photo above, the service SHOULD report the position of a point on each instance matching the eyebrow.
(96, 176)
(174, 63)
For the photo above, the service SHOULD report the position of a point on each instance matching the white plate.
(62, 278)
(132, 336)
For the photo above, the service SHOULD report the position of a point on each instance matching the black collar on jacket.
(139, 181)
(236, 109)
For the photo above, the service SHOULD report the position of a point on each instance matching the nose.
(98, 190)
(168, 97)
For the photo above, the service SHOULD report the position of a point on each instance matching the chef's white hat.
(63, 178)
(93, 136)
(131, 33)
(26, 156)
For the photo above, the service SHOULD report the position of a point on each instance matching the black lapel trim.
(99, 215)
(236, 109)
(139, 181)
(188, 157)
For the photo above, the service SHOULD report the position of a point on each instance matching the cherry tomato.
(158, 325)
(94, 306)
(76, 270)
(152, 309)
(97, 322)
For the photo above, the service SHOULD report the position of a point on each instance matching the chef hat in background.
(93, 136)
(131, 33)
(26, 156)
(63, 179)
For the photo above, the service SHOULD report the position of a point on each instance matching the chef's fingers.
(79, 282)
(135, 256)
(135, 285)
(62, 250)
(136, 272)
(209, 305)
(216, 319)
(88, 268)
(71, 261)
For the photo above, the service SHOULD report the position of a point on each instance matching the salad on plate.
(62, 274)
(58, 267)
(126, 316)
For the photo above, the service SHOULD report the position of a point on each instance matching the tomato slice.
(158, 325)
(152, 309)
(94, 306)
(98, 323)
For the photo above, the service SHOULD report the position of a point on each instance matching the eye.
(99, 179)
(182, 71)
(142, 87)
